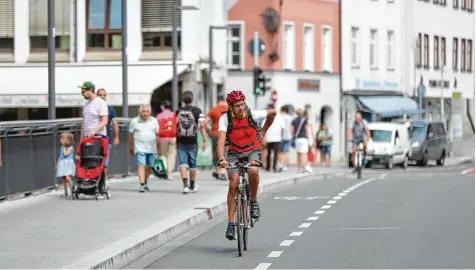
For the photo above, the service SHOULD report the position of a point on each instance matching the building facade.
(373, 60)
(439, 48)
(300, 54)
(372, 45)
(88, 48)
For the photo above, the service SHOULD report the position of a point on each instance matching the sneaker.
(193, 188)
(255, 212)
(230, 231)
(142, 189)
(285, 169)
(186, 190)
(308, 169)
(146, 187)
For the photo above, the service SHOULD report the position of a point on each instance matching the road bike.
(359, 159)
(243, 220)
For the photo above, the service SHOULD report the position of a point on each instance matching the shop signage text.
(439, 84)
(74, 100)
(313, 85)
(376, 85)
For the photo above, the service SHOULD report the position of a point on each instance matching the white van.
(390, 144)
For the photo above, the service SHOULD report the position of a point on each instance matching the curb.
(125, 251)
(460, 161)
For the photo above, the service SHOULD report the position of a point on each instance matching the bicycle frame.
(359, 156)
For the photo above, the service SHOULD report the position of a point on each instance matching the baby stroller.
(91, 155)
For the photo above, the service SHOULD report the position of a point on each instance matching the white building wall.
(442, 21)
(195, 25)
(382, 15)
(286, 85)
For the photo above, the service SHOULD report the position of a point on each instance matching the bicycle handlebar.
(245, 165)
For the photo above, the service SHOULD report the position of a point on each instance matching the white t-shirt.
(275, 131)
(256, 114)
(92, 112)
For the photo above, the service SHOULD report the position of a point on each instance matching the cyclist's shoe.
(230, 231)
(255, 212)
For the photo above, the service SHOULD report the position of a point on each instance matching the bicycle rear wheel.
(239, 224)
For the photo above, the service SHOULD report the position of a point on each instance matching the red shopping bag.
(310, 156)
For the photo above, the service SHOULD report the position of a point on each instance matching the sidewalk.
(49, 231)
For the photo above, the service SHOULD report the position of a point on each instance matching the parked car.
(430, 142)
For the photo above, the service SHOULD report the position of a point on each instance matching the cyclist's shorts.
(356, 142)
(248, 156)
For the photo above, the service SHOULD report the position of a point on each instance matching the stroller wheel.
(97, 196)
(108, 193)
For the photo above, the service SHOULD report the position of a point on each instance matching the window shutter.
(157, 15)
(38, 10)
(6, 18)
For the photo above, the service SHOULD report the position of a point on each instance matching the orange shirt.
(215, 113)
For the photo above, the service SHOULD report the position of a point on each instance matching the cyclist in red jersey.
(238, 127)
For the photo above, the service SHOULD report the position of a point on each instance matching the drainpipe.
(341, 90)
(468, 113)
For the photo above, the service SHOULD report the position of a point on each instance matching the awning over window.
(390, 106)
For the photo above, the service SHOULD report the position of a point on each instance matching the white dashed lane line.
(322, 210)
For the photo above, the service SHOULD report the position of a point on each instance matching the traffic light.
(263, 83)
(260, 82)
(257, 75)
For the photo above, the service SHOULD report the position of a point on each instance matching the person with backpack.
(189, 120)
(168, 135)
(239, 128)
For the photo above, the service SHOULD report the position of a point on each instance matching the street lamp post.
(210, 62)
(51, 61)
(176, 8)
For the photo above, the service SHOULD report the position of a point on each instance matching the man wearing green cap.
(95, 112)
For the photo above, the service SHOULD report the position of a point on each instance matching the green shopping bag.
(205, 158)
(160, 169)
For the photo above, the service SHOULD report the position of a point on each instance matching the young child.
(65, 168)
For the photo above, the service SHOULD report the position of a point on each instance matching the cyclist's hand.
(223, 164)
(261, 136)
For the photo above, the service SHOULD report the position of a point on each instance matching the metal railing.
(30, 150)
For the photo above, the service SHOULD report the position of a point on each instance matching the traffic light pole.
(256, 59)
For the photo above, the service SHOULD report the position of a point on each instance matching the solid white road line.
(263, 266)
(274, 254)
(312, 218)
(296, 234)
(286, 243)
(305, 225)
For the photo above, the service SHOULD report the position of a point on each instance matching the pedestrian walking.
(168, 136)
(190, 119)
(300, 131)
(143, 144)
(65, 166)
(214, 115)
(273, 139)
(287, 137)
(112, 128)
(95, 112)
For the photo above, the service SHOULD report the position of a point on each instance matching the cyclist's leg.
(253, 176)
(354, 149)
(233, 174)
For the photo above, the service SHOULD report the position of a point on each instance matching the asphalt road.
(420, 218)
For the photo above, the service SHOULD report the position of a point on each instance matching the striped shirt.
(92, 112)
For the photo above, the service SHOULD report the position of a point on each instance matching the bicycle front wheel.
(246, 221)
(239, 224)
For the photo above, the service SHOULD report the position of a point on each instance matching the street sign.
(261, 46)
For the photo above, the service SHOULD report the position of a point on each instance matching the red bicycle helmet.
(234, 96)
